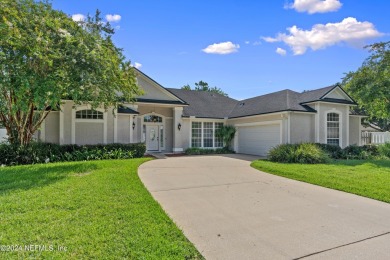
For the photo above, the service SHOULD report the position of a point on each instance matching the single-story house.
(172, 120)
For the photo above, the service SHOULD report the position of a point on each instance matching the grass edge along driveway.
(78, 210)
(367, 178)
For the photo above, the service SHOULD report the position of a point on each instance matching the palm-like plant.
(227, 133)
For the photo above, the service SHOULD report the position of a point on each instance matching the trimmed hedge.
(37, 152)
(298, 153)
(201, 151)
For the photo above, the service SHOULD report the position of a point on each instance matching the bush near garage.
(307, 153)
(37, 152)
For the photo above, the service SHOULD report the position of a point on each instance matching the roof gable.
(337, 93)
(153, 90)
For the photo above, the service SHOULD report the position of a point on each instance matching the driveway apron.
(232, 211)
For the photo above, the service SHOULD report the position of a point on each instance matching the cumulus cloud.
(78, 17)
(221, 48)
(315, 6)
(113, 18)
(321, 36)
(137, 65)
(281, 51)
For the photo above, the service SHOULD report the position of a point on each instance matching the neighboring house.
(172, 120)
(3, 135)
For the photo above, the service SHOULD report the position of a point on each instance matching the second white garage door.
(258, 140)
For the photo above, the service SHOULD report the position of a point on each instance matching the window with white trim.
(218, 142)
(89, 114)
(333, 129)
(208, 134)
(203, 135)
(196, 137)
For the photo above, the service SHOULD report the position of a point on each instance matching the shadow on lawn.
(377, 163)
(28, 177)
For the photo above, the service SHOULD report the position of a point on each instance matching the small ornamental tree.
(227, 133)
(46, 57)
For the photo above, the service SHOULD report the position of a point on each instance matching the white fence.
(375, 137)
(3, 135)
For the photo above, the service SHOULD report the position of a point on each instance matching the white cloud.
(78, 17)
(321, 36)
(281, 51)
(222, 48)
(247, 42)
(315, 6)
(137, 65)
(113, 18)
(269, 39)
(257, 43)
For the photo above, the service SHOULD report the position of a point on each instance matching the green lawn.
(369, 178)
(97, 209)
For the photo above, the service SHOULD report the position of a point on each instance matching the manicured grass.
(96, 209)
(370, 178)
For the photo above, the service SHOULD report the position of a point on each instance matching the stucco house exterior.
(172, 120)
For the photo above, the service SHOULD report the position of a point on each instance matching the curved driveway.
(232, 211)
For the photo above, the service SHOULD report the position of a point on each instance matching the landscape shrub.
(384, 150)
(334, 151)
(37, 152)
(298, 153)
(202, 151)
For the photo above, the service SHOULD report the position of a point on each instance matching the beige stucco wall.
(89, 133)
(186, 133)
(302, 127)
(354, 130)
(67, 126)
(110, 126)
(124, 128)
(153, 91)
(52, 127)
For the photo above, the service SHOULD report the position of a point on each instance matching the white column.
(177, 139)
(61, 137)
(317, 123)
(73, 119)
(105, 127)
(43, 130)
(115, 127)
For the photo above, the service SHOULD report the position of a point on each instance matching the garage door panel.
(258, 140)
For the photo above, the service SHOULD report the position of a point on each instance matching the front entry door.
(152, 138)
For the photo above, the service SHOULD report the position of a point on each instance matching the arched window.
(89, 114)
(152, 119)
(333, 129)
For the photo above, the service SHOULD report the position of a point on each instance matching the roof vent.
(241, 104)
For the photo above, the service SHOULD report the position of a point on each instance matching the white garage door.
(258, 140)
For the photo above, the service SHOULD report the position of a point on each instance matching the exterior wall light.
(133, 125)
(179, 126)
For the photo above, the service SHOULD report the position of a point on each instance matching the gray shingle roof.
(212, 105)
(204, 104)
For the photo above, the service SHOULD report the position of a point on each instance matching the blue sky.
(234, 44)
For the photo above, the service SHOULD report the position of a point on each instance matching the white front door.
(152, 138)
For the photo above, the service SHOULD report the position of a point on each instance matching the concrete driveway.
(232, 211)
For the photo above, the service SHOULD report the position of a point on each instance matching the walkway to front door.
(232, 211)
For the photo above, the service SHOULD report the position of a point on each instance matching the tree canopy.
(204, 86)
(370, 84)
(45, 57)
